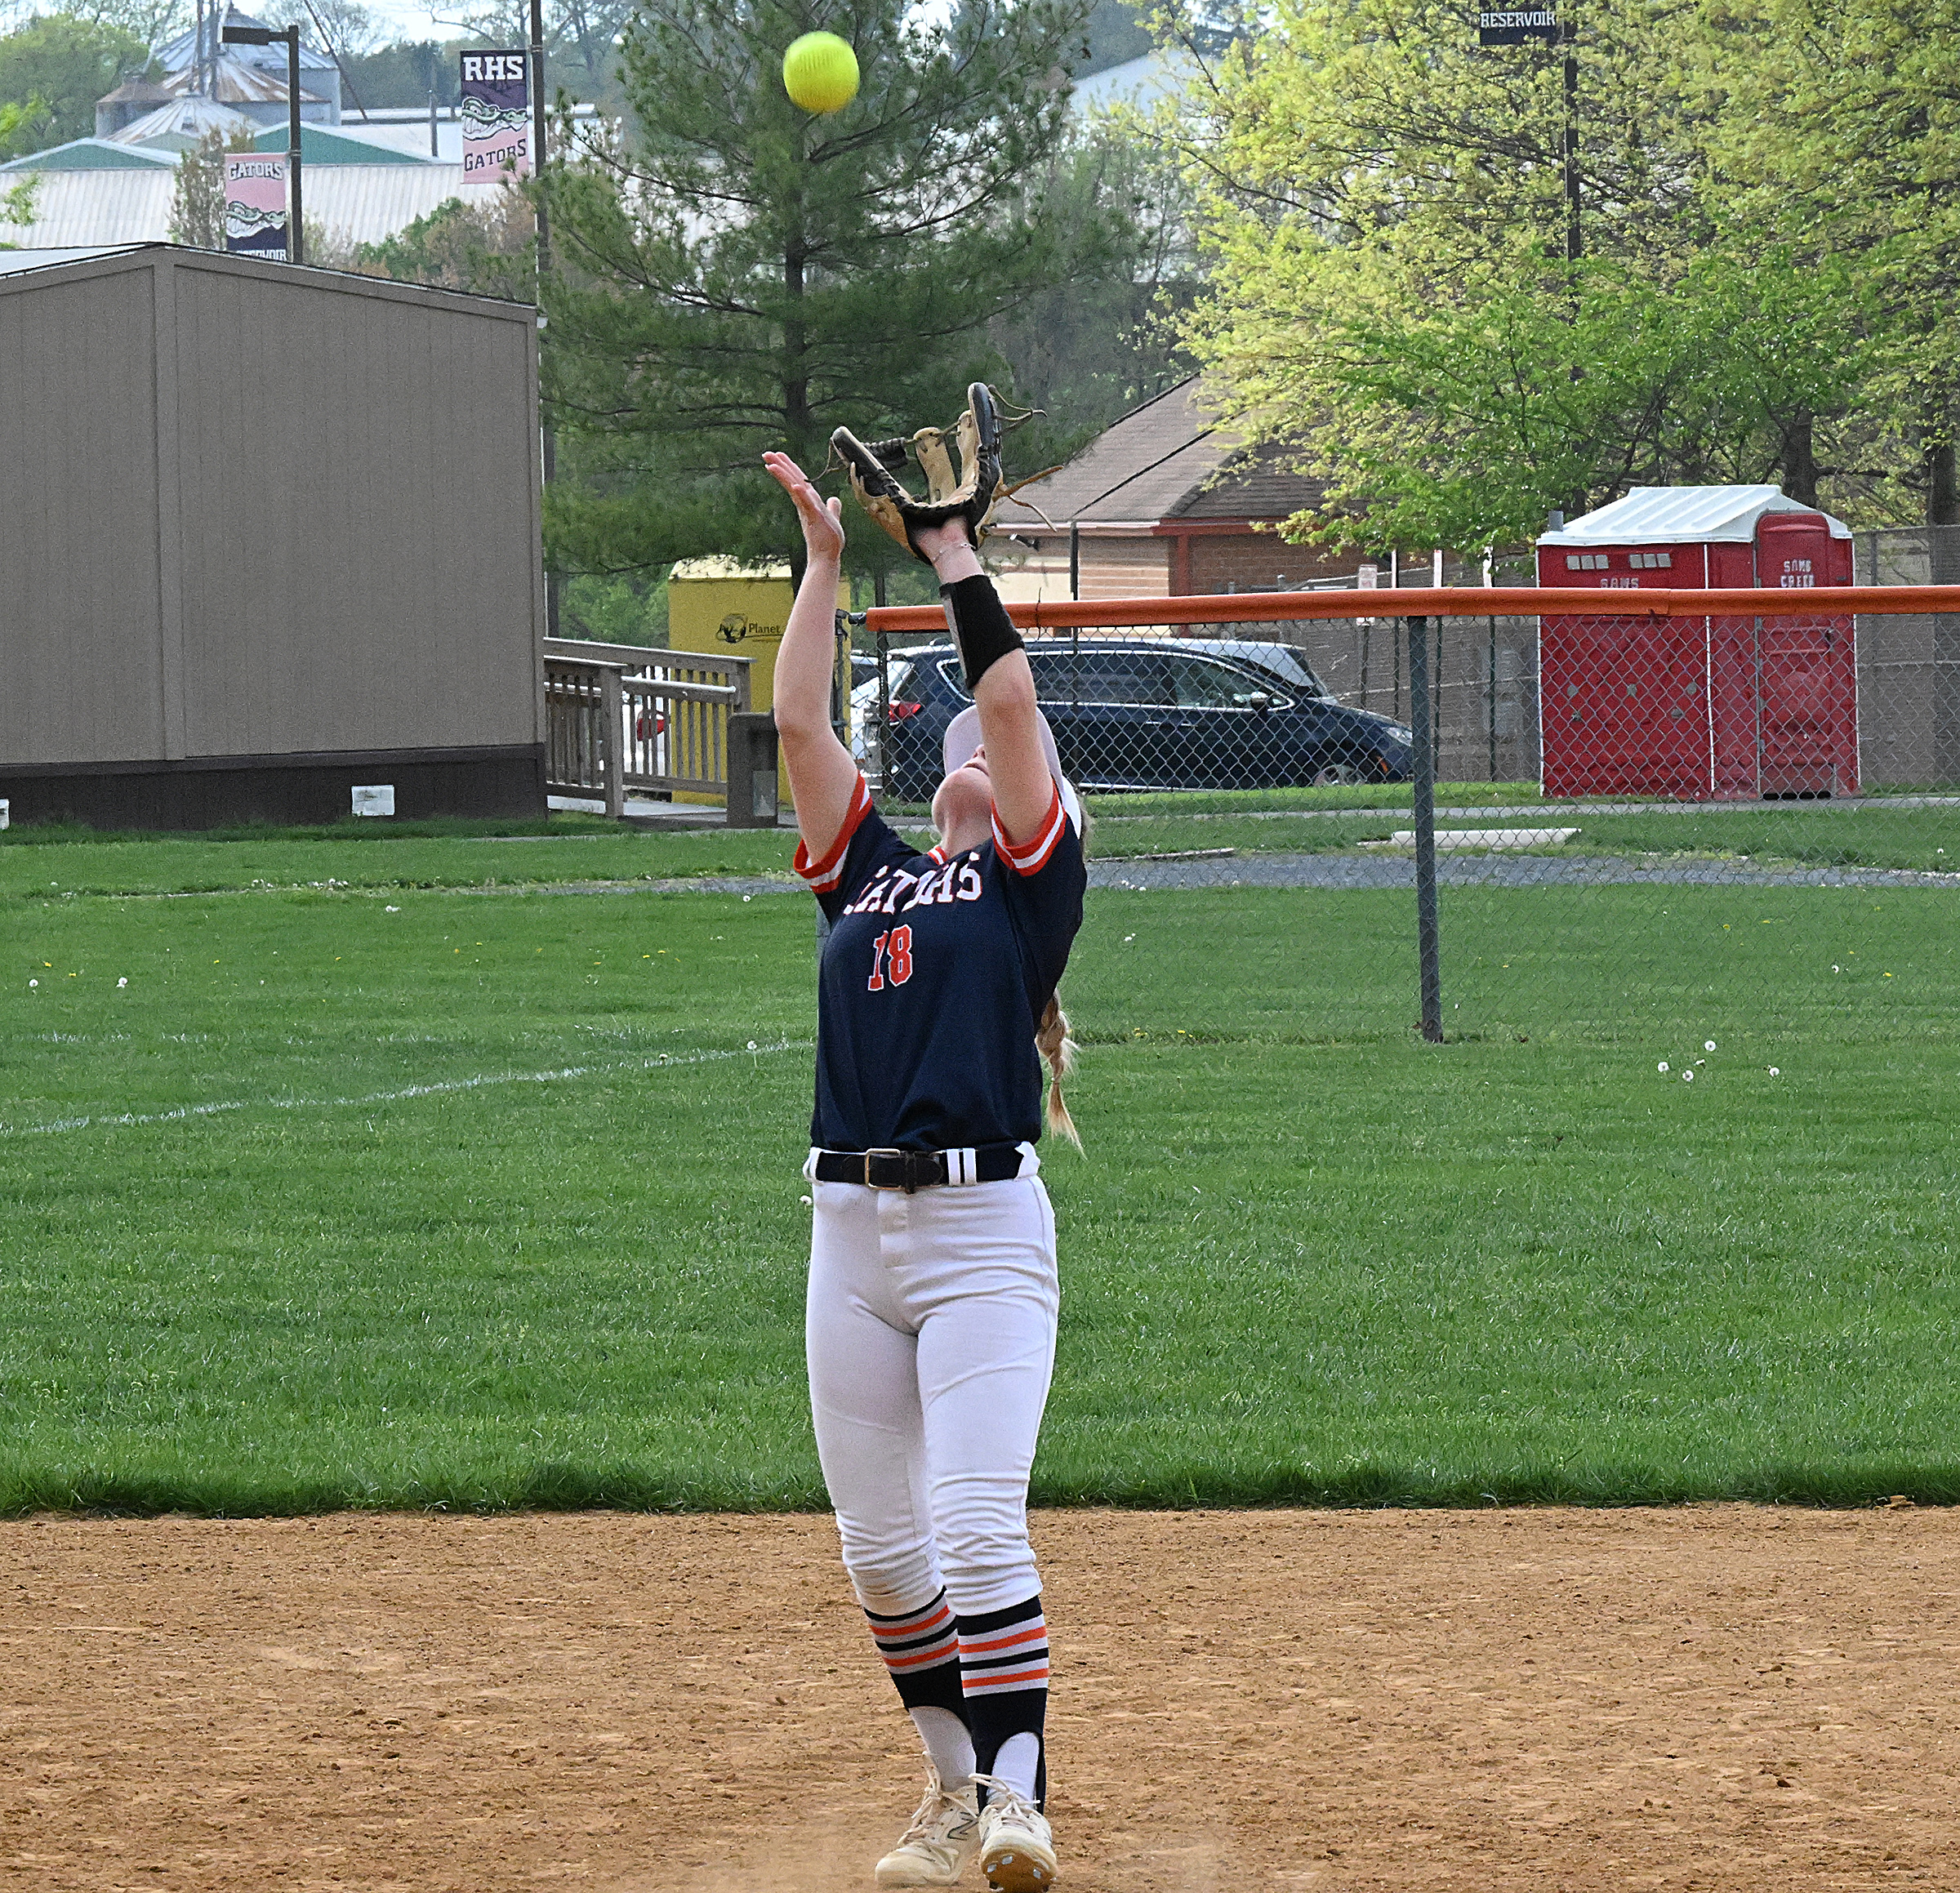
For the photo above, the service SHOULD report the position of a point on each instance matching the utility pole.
(550, 447)
(1574, 246)
(1519, 24)
(537, 136)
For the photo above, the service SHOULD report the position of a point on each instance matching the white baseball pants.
(930, 1328)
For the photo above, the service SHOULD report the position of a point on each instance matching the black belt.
(910, 1170)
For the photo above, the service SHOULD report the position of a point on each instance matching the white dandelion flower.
(751, 1045)
(1687, 1077)
(121, 983)
(34, 982)
(1708, 1045)
(1664, 1067)
(807, 1202)
(1775, 1072)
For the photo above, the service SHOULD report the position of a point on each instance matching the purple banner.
(496, 114)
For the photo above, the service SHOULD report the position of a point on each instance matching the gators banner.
(254, 203)
(496, 113)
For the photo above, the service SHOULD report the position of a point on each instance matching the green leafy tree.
(19, 202)
(24, 127)
(486, 246)
(1384, 206)
(1841, 129)
(403, 73)
(734, 274)
(149, 22)
(1464, 423)
(197, 198)
(56, 66)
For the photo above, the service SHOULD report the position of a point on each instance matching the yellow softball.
(820, 73)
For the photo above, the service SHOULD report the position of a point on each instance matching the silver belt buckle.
(868, 1156)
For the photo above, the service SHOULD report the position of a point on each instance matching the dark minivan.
(1156, 713)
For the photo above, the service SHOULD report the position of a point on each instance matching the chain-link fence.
(1618, 795)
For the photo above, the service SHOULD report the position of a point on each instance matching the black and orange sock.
(1004, 1671)
(921, 1649)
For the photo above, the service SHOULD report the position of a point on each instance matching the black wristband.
(981, 627)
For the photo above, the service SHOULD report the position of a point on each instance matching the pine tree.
(733, 275)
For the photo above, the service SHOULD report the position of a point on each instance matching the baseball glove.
(968, 492)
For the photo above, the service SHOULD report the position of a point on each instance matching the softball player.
(932, 1301)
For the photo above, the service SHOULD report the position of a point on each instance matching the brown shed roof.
(1166, 461)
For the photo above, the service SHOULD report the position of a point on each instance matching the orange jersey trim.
(824, 874)
(1032, 857)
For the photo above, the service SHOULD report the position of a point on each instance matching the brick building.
(1164, 502)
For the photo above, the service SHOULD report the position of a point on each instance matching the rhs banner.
(254, 203)
(496, 113)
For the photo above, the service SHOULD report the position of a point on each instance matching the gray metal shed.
(266, 533)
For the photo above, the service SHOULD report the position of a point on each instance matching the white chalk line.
(182, 1112)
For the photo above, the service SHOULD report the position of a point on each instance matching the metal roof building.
(253, 76)
(269, 533)
(355, 204)
(1723, 515)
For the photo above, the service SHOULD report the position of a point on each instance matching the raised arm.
(822, 776)
(1016, 763)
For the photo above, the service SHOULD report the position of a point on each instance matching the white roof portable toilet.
(1703, 708)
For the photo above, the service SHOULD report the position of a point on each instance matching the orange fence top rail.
(1450, 602)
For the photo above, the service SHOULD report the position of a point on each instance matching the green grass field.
(440, 1187)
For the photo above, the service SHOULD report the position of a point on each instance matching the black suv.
(1156, 713)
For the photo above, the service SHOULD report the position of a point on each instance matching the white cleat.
(939, 1845)
(1017, 1846)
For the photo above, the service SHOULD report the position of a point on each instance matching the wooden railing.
(619, 717)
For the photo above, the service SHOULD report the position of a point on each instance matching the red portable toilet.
(1722, 709)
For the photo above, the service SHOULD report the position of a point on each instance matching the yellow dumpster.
(732, 610)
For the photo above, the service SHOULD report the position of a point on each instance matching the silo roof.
(1683, 515)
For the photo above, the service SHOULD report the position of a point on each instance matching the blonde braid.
(1054, 1045)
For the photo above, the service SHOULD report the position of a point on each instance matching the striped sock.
(921, 1649)
(1004, 1671)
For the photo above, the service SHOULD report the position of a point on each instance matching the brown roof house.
(1167, 501)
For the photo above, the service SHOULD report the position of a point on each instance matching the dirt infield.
(1715, 1698)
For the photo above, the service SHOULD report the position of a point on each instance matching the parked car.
(1156, 713)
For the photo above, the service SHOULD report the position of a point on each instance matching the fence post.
(1423, 721)
(840, 677)
(612, 738)
(752, 780)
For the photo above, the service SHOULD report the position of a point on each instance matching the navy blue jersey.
(933, 979)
